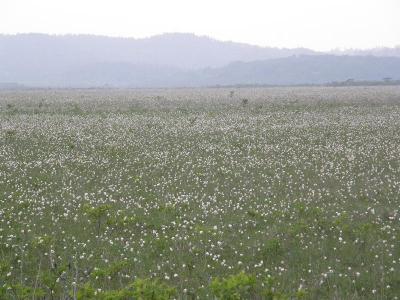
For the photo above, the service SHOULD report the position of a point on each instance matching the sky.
(317, 24)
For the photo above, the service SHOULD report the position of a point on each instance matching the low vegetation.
(198, 194)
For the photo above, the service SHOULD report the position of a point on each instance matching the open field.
(123, 194)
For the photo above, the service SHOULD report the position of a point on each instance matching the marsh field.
(246, 193)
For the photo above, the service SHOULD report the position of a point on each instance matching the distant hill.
(318, 69)
(383, 51)
(282, 71)
(174, 60)
(181, 50)
(10, 86)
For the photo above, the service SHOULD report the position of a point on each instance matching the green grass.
(194, 194)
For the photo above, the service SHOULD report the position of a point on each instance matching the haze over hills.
(380, 51)
(317, 69)
(170, 60)
(307, 69)
(180, 50)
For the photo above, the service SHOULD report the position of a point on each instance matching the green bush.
(140, 289)
(148, 289)
(235, 287)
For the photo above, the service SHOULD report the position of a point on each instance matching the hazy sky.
(317, 24)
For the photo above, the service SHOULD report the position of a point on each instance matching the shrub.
(235, 287)
(97, 214)
(148, 289)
